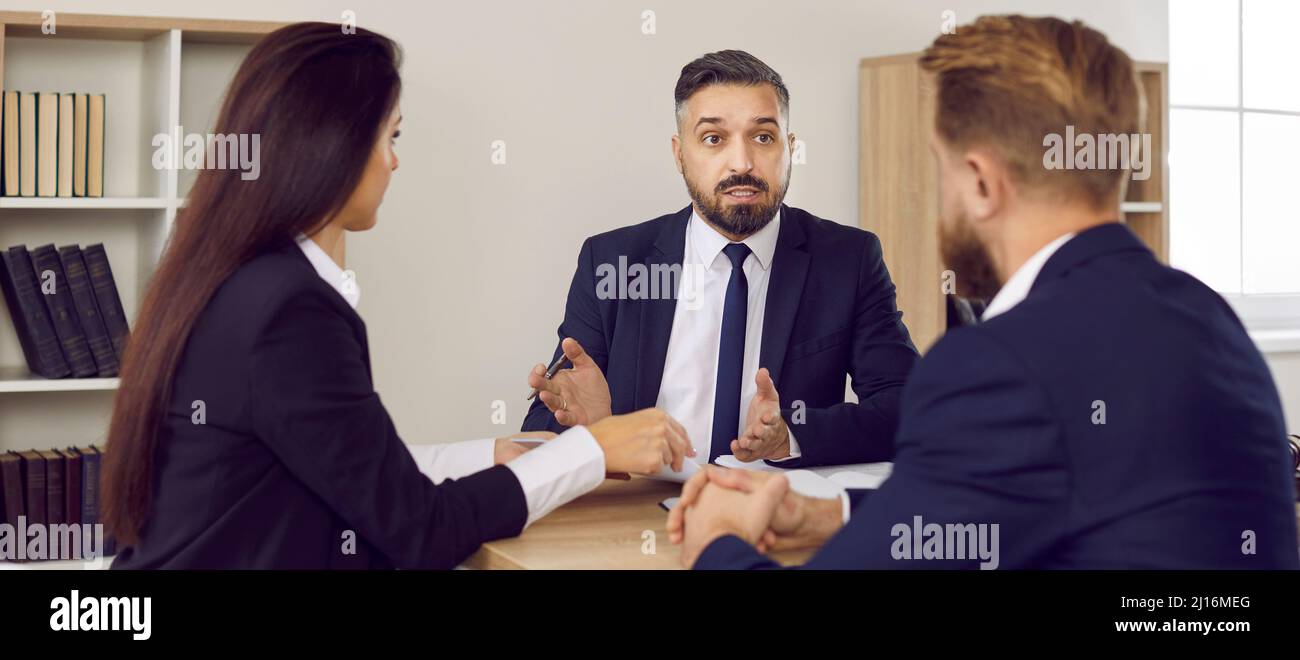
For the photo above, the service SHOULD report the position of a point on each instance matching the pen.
(550, 373)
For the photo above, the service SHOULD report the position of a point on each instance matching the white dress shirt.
(558, 471)
(691, 366)
(1018, 285)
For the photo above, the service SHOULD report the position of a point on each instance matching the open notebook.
(857, 475)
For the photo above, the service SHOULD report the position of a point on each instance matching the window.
(1234, 153)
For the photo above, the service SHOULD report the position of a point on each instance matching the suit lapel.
(657, 315)
(784, 289)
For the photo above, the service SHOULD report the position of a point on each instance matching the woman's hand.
(642, 442)
(507, 449)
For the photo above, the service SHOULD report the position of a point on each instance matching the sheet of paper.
(811, 484)
(856, 475)
(729, 461)
(689, 467)
(869, 477)
(806, 482)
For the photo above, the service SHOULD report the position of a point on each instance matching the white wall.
(1286, 373)
(464, 279)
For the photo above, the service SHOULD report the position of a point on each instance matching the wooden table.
(605, 529)
(618, 525)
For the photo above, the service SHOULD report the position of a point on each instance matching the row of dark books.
(52, 487)
(1294, 441)
(65, 309)
(53, 144)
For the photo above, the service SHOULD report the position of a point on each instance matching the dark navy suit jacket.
(830, 313)
(1001, 424)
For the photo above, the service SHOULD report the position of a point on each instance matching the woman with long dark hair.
(246, 431)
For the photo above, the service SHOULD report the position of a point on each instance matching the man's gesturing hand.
(766, 435)
(578, 395)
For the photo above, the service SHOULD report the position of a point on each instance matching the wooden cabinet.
(899, 193)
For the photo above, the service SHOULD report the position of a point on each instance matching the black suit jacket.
(297, 455)
(830, 313)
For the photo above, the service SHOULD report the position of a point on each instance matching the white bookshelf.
(83, 202)
(156, 74)
(17, 379)
(1141, 207)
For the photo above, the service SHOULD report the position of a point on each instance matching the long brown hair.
(317, 98)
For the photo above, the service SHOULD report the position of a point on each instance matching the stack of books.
(52, 487)
(1294, 441)
(53, 144)
(65, 309)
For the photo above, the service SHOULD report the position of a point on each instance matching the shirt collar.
(708, 243)
(1018, 285)
(345, 282)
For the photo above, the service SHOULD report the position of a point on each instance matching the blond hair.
(1007, 82)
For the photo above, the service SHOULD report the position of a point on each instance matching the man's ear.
(790, 140)
(986, 184)
(677, 153)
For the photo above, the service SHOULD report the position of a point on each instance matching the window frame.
(1273, 319)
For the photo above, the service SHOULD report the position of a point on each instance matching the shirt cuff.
(560, 470)
(794, 448)
(455, 460)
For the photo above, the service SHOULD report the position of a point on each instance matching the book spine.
(54, 513)
(35, 330)
(63, 312)
(65, 145)
(34, 477)
(83, 297)
(72, 486)
(110, 303)
(11, 156)
(95, 145)
(89, 487)
(47, 144)
(110, 543)
(72, 492)
(12, 474)
(27, 143)
(80, 111)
